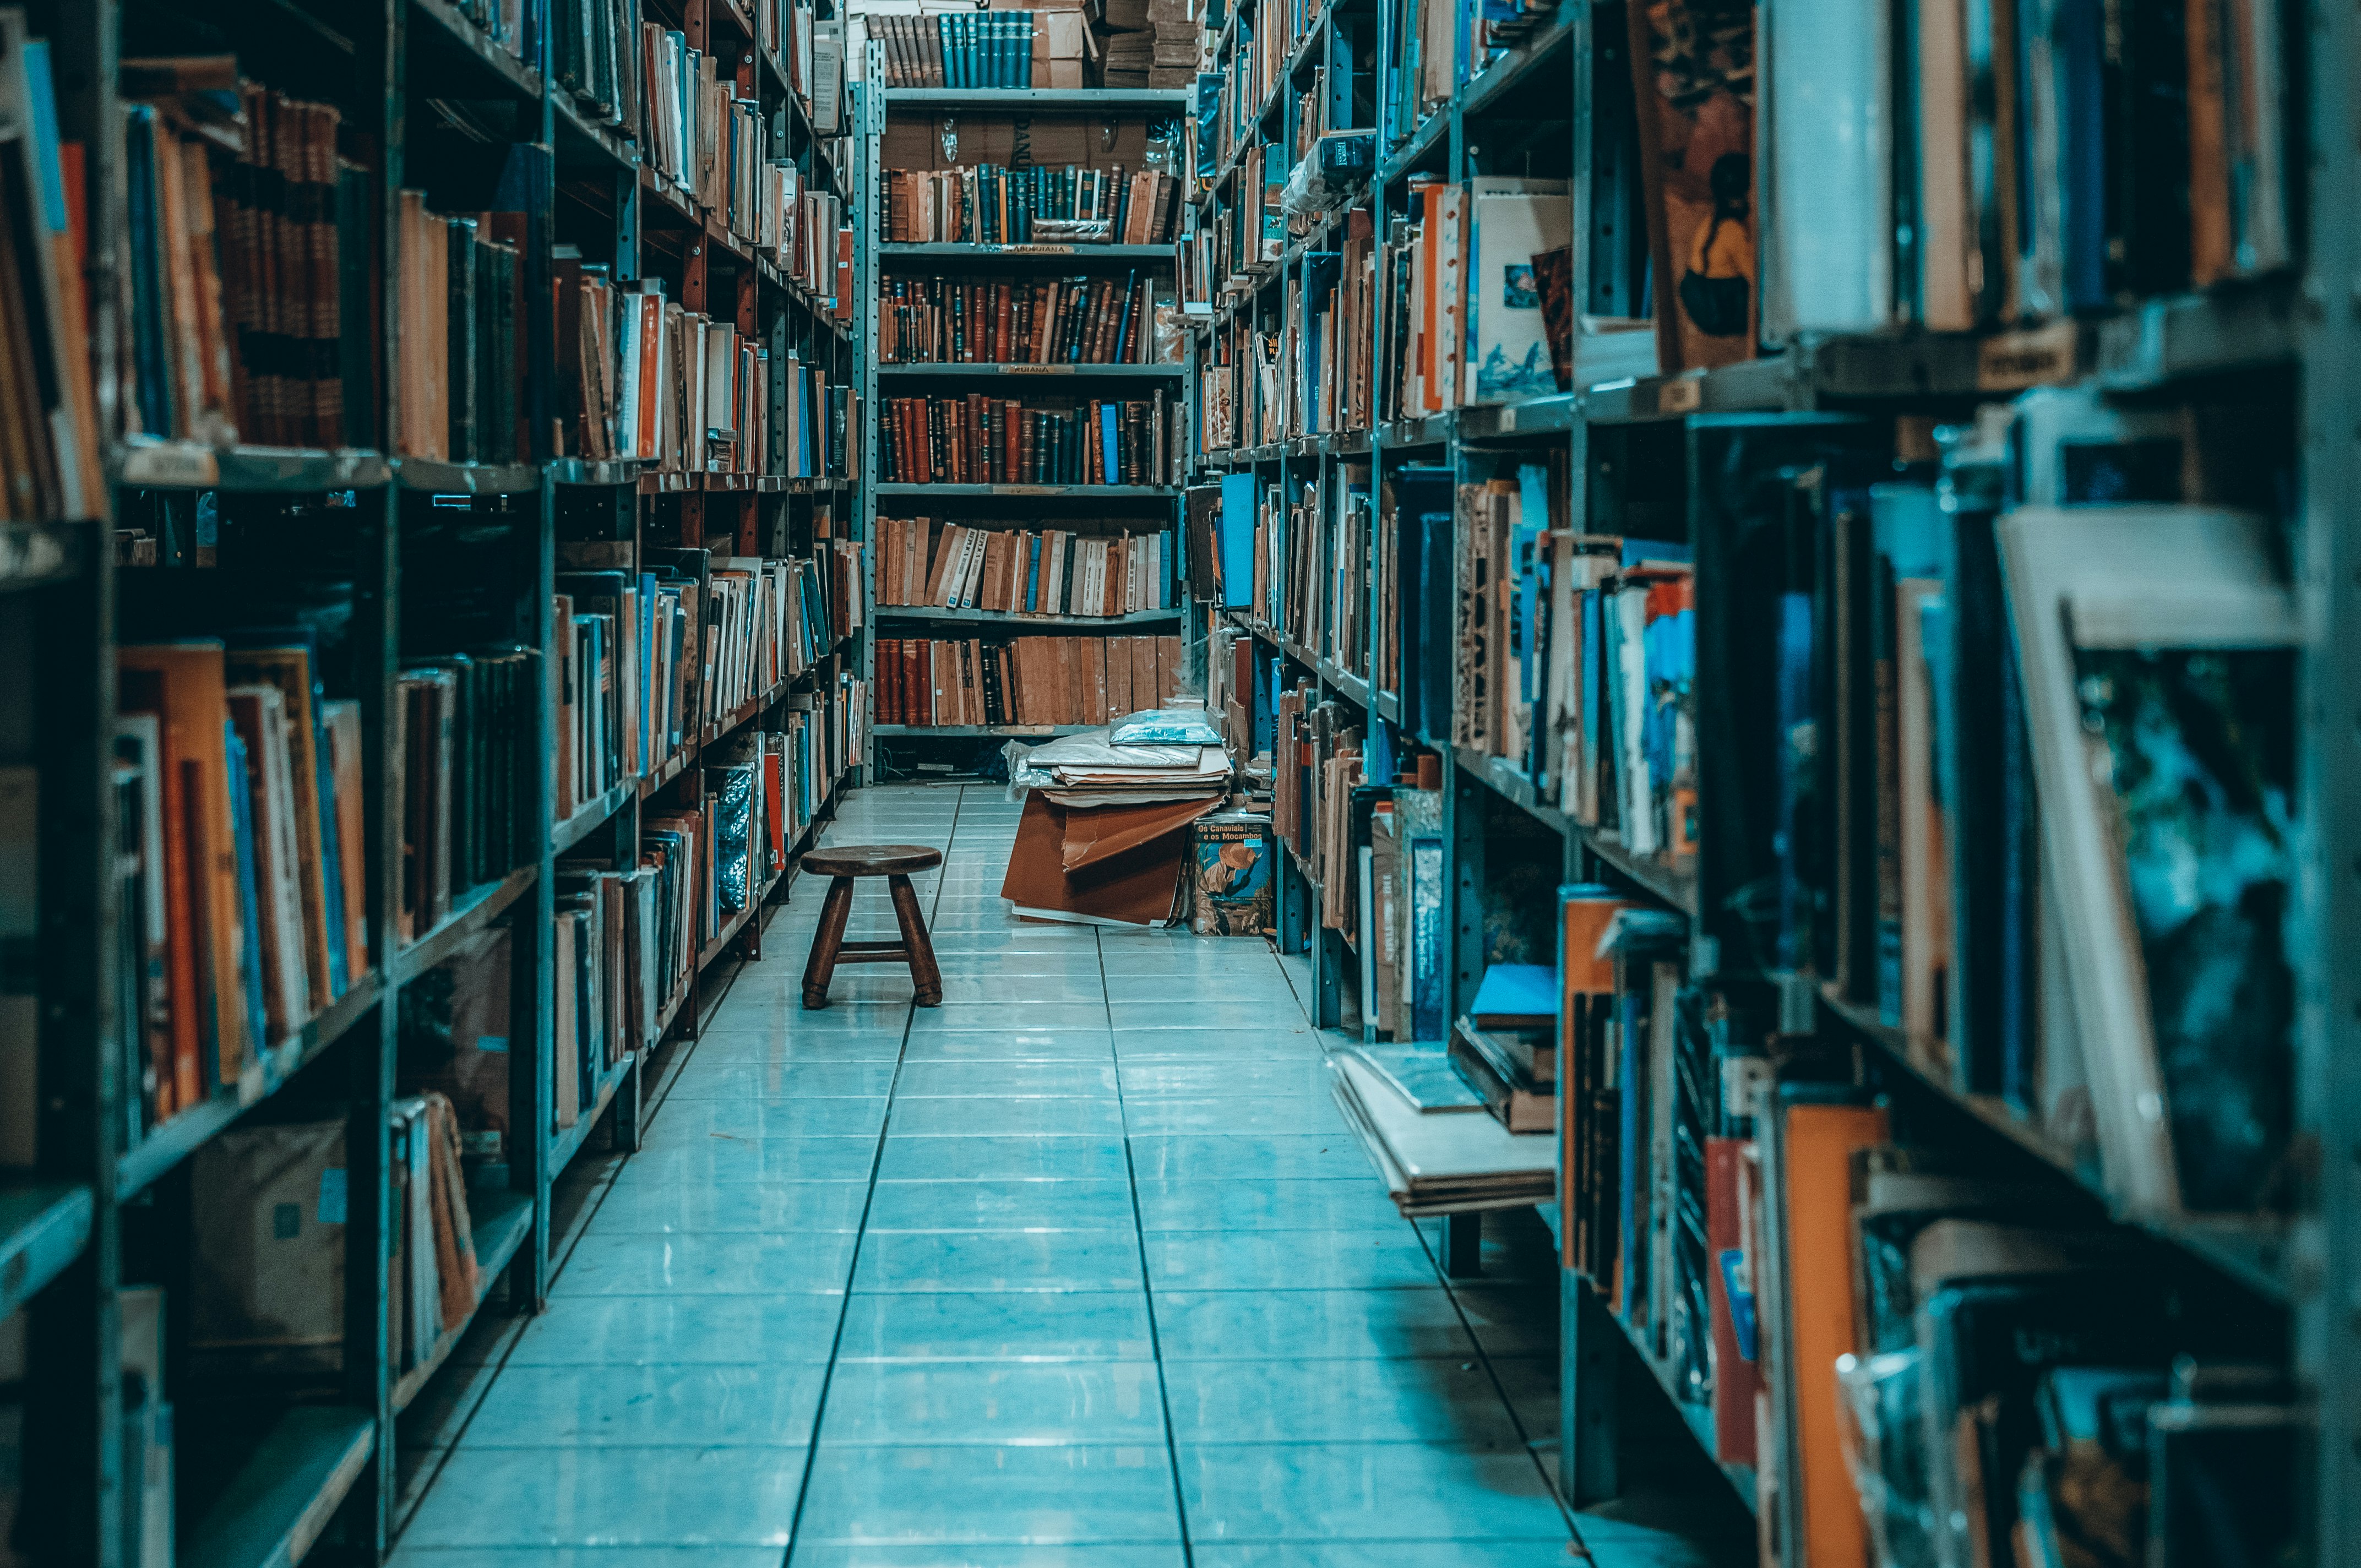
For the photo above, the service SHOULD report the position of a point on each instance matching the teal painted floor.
(1080, 1270)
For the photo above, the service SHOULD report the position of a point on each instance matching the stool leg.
(834, 911)
(923, 975)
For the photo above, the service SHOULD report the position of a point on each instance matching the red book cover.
(1729, 1287)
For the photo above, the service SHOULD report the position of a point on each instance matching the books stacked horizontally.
(990, 204)
(1036, 321)
(250, 249)
(1424, 1130)
(1151, 43)
(238, 792)
(977, 440)
(1020, 571)
(1093, 769)
(1023, 681)
(1505, 1046)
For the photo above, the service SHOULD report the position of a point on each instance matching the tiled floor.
(1078, 1270)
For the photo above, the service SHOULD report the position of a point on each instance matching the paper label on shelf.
(492, 1043)
(1680, 395)
(2012, 361)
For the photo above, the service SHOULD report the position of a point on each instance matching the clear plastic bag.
(1166, 727)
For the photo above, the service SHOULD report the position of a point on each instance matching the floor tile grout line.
(853, 1269)
(1147, 1284)
(1492, 1375)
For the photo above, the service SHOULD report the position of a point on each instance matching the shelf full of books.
(389, 777)
(1800, 597)
(1027, 558)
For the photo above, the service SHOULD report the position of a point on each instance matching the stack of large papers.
(1440, 1164)
(1087, 770)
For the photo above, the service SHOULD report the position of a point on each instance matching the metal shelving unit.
(1529, 110)
(271, 1474)
(875, 107)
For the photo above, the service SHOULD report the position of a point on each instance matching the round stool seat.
(871, 860)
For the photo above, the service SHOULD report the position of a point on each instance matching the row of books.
(1021, 571)
(1826, 1291)
(1042, 320)
(249, 247)
(1316, 374)
(237, 791)
(978, 440)
(1317, 764)
(643, 378)
(1230, 98)
(650, 660)
(1445, 43)
(989, 204)
(432, 1280)
(1462, 292)
(460, 784)
(1023, 680)
(459, 366)
(1294, 558)
(51, 442)
(2134, 161)
(1244, 235)
(968, 49)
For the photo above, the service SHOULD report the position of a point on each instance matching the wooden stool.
(895, 862)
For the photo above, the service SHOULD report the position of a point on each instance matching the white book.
(1507, 353)
(1828, 247)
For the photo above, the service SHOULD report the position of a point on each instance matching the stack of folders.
(238, 789)
(433, 1279)
(1021, 571)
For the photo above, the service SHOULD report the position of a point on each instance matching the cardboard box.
(1231, 893)
(268, 1207)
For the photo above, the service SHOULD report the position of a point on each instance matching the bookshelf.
(410, 550)
(1655, 454)
(910, 128)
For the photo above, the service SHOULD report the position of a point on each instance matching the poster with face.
(1692, 69)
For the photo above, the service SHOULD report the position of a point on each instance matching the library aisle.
(1078, 1265)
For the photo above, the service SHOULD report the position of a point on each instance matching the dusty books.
(1439, 1165)
(1027, 321)
(1049, 572)
(990, 204)
(1023, 680)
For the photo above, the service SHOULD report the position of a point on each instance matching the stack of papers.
(1439, 1164)
(1087, 770)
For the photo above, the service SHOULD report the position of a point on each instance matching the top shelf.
(1043, 100)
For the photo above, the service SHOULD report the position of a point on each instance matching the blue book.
(645, 674)
(1429, 962)
(1236, 553)
(946, 33)
(1110, 468)
(250, 904)
(1515, 995)
(1033, 574)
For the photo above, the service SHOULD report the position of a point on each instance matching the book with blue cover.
(1515, 996)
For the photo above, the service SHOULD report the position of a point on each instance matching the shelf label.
(1681, 395)
(2013, 361)
(1026, 491)
(1037, 369)
(1037, 250)
(172, 465)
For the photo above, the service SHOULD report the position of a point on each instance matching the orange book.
(1818, 1142)
(183, 684)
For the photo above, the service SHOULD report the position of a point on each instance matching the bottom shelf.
(500, 1220)
(282, 1497)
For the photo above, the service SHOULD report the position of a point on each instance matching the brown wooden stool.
(895, 862)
